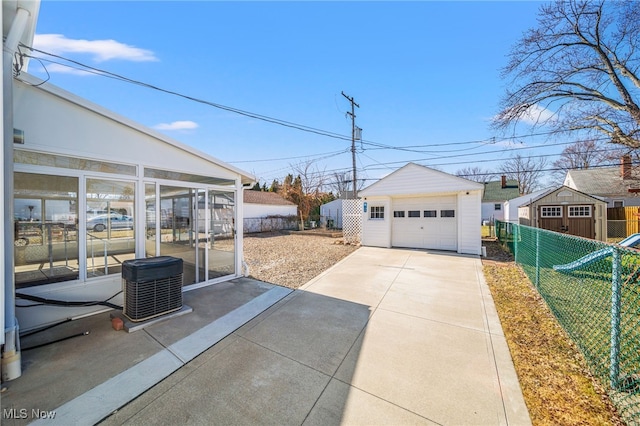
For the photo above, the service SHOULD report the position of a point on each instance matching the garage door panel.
(437, 232)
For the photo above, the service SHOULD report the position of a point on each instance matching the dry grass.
(556, 385)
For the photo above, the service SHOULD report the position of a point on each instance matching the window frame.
(580, 207)
(546, 210)
(376, 213)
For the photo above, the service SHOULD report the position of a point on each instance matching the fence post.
(538, 258)
(515, 243)
(614, 357)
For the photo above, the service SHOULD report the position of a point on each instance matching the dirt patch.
(291, 259)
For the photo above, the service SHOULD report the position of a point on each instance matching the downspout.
(11, 366)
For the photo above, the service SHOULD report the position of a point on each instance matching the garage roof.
(415, 179)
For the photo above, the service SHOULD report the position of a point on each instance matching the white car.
(118, 221)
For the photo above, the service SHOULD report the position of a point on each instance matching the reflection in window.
(430, 213)
(150, 223)
(414, 213)
(45, 229)
(110, 223)
(447, 213)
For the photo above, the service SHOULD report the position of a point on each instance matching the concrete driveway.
(387, 336)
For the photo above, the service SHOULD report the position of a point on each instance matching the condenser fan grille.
(152, 287)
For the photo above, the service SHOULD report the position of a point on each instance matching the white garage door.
(429, 223)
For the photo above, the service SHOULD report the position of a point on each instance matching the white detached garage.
(419, 207)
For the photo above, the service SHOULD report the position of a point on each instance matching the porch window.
(398, 213)
(551, 211)
(447, 213)
(377, 212)
(414, 213)
(45, 229)
(110, 225)
(497, 206)
(579, 211)
(430, 213)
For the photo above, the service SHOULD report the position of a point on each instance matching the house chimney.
(625, 167)
(504, 181)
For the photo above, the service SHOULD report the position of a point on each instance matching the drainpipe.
(11, 367)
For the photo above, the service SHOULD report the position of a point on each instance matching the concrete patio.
(386, 336)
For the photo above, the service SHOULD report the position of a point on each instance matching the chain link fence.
(593, 289)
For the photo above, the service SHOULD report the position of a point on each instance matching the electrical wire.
(256, 116)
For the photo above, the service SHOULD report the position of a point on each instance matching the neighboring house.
(511, 207)
(419, 207)
(494, 196)
(268, 211)
(73, 158)
(566, 210)
(260, 204)
(618, 186)
(331, 214)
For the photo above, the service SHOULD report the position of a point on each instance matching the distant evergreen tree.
(256, 187)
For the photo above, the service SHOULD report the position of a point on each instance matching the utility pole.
(353, 140)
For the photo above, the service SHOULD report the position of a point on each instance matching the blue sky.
(425, 74)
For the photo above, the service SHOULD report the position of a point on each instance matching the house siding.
(469, 221)
(252, 211)
(377, 232)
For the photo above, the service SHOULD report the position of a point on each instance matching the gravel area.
(291, 259)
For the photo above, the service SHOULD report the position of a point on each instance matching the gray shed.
(566, 210)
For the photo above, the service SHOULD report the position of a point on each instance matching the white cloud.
(537, 114)
(100, 50)
(177, 125)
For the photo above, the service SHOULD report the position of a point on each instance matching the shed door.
(429, 223)
(576, 220)
(580, 221)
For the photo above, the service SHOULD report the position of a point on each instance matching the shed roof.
(263, 197)
(493, 191)
(548, 192)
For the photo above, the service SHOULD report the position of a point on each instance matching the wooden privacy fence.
(629, 214)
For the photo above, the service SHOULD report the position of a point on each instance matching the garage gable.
(414, 179)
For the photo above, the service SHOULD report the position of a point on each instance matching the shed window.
(414, 213)
(551, 211)
(579, 211)
(447, 213)
(497, 206)
(618, 203)
(377, 212)
(430, 213)
(398, 213)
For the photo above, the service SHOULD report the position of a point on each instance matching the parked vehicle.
(118, 221)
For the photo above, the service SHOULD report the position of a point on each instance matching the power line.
(256, 116)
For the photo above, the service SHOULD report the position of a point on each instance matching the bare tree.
(578, 71)
(307, 189)
(476, 174)
(583, 155)
(342, 184)
(526, 170)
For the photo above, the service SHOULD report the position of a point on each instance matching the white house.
(268, 211)
(494, 196)
(419, 207)
(262, 204)
(91, 189)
